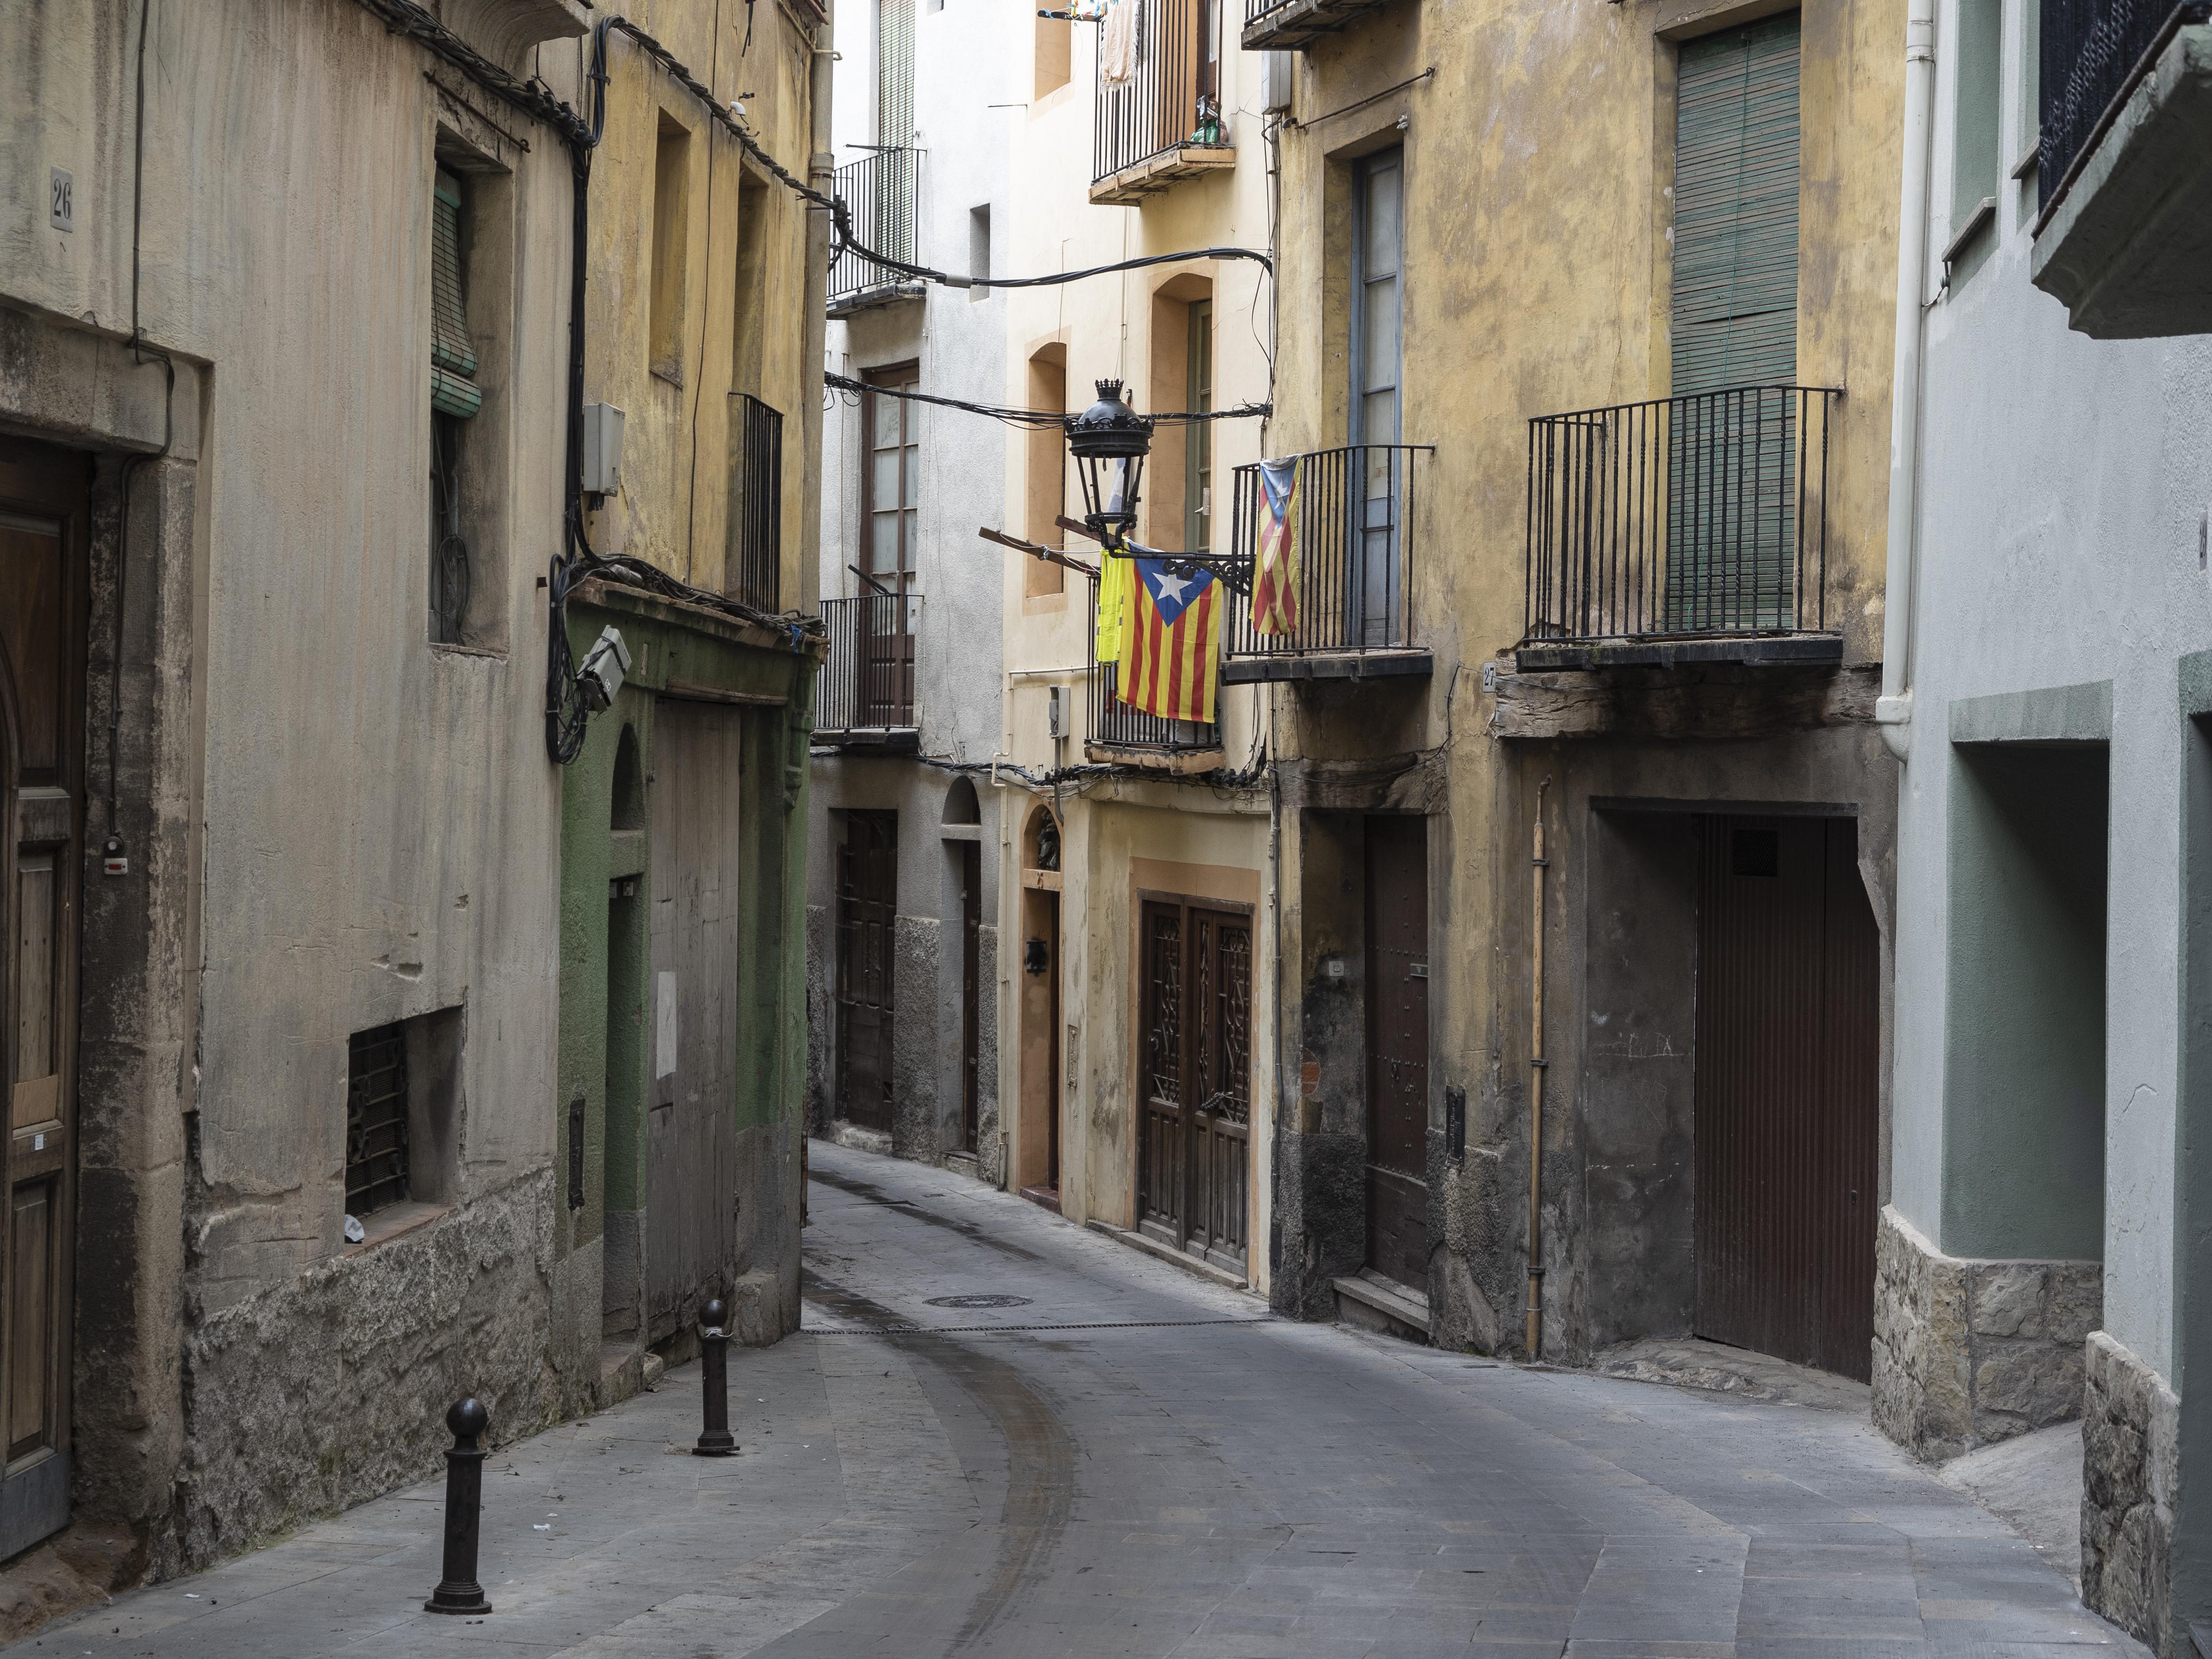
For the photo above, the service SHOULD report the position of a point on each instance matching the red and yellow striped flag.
(1171, 662)
(1275, 580)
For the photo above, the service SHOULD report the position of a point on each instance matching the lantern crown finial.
(1109, 429)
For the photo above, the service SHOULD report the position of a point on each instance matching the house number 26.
(65, 200)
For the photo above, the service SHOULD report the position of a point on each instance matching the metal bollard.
(458, 1591)
(715, 1441)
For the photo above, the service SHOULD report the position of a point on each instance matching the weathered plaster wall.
(1547, 240)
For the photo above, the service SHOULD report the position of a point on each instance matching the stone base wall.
(2129, 1468)
(1969, 1353)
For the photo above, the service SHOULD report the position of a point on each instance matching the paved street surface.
(1129, 1461)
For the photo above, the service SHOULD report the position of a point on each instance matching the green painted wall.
(605, 1021)
(2024, 1061)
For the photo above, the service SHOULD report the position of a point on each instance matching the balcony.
(1355, 580)
(882, 195)
(1120, 734)
(756, 557)
(2125, 236)
(865, 700)
(1295, 25)
(1162, 124)
(1688, 530)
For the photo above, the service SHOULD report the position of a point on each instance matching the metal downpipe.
(1893, 710)
(1537, 1063)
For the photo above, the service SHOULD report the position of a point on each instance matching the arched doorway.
(1037, 1157)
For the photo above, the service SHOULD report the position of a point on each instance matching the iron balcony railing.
(2092, 54)
(1685, 516)
(867, 680)
(1172, 98)
(1355, 553)
(757, 502)
(882, 195)
(1115, 723)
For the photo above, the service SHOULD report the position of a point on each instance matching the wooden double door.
(695, 955)
(1195, 1087)
(1787, 1091)
(1397, 940)
(867, 909)
(43, 593)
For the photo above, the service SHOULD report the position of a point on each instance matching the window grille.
(376, 1119)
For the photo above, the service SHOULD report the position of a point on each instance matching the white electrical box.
(1055, 713)
(603, 445)
(1276, 81)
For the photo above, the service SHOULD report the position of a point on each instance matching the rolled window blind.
(453, 359)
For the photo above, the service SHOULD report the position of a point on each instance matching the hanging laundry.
(1117, 44)
(1088, 11)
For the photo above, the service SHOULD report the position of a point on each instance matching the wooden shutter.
(1736, 209)
(1730, 459)
(895, 73)
(453, 359)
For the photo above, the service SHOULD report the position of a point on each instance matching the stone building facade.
(902, 891)
(286, 408)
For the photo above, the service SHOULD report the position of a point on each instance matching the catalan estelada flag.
(1275, 573)
(1170, 661)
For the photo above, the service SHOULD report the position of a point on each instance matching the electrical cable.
(849, 387)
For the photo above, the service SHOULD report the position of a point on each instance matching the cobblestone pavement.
(1129, 1461)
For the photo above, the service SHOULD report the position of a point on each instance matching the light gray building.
(902, 884)
(2048, 680)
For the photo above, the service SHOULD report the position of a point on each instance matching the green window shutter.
(1736, 209)
(1732, 460)
(453, 359)
(895, 72)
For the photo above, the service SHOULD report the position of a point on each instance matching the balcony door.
(1732, 455)
(1378, 243)
(889, 526)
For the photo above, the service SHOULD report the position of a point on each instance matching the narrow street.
(1069, 1449)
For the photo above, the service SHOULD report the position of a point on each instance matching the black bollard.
(715, 1441)
(458, 1592)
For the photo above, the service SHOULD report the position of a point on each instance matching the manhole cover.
(978, 1302)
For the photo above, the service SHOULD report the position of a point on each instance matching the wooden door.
(695, 951)
(867, 906)
(971, 988)
(1397, 891)
(1194, 1153)
(1786, 1093)
(44, 526)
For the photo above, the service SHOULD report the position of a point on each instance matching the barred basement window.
(376, 1119)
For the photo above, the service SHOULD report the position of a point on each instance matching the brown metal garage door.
(1788, 1036)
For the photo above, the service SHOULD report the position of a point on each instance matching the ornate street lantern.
(1110, 441)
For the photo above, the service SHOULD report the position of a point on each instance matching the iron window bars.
(881, 193)
(1682, 516)
(1173, 99)
(376, 1119)
(1355, 583)
(756, 503)
(2093, 54)
(867, 680)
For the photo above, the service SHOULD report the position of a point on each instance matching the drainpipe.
(821, 175)
(1537, 1062)
(1893, 711)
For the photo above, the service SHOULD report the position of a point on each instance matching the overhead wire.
(849, 387)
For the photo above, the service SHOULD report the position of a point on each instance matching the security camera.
(605, 664)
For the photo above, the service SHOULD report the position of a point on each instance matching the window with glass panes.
(890, 483)
(1198, 439)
